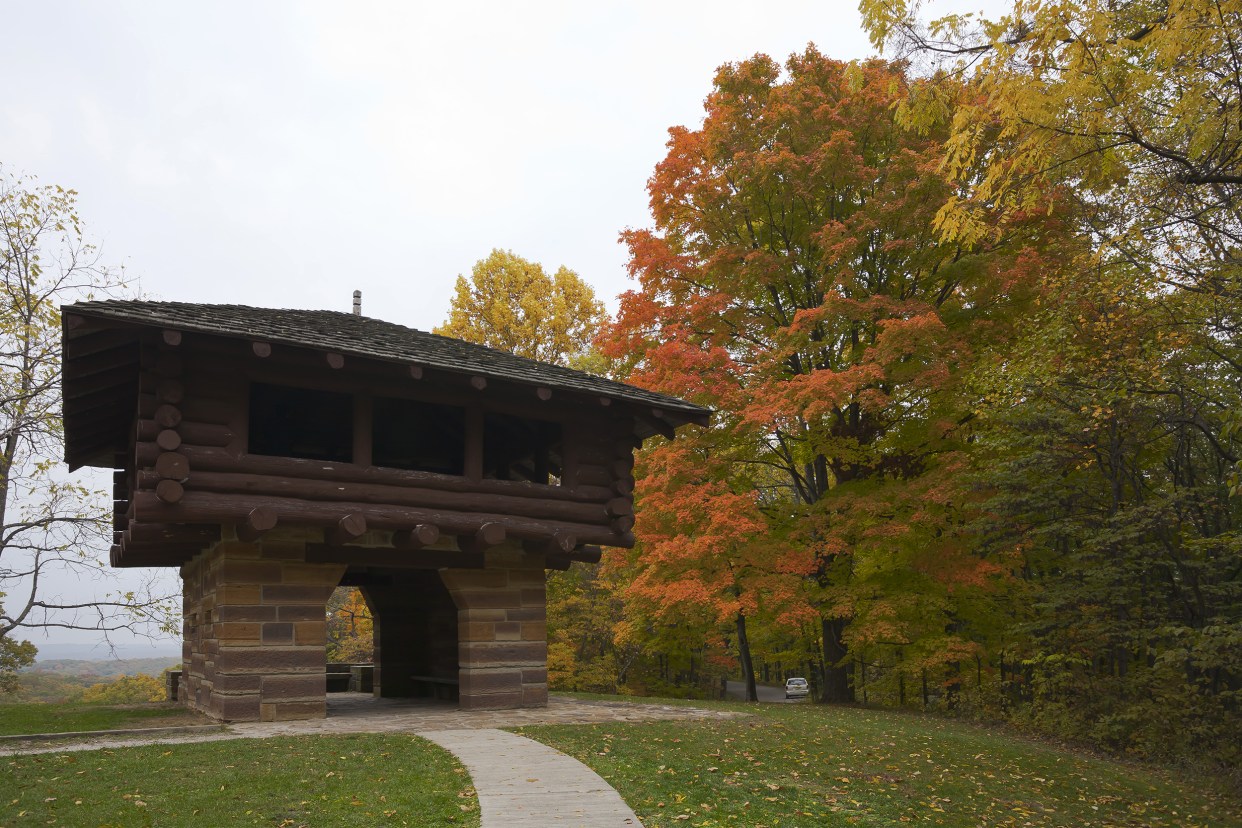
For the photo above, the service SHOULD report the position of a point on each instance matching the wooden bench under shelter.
(274, 455)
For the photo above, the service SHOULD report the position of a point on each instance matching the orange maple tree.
(794, 283)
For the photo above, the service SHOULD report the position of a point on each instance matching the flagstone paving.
(362, 713)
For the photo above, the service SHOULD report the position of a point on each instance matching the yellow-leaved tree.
(514, 305)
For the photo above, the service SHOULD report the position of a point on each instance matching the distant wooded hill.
(103, 669)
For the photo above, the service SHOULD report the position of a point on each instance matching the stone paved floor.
(362, 713)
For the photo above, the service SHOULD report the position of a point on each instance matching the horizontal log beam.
(84, 345)
(204, 458)
(194, 434)
(331, 490)
(207, 507)
(205, 534)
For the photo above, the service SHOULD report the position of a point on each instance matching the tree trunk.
(836, 676)
(748, 669)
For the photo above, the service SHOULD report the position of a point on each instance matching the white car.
(797, 688)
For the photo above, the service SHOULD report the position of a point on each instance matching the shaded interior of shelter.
(415, 632)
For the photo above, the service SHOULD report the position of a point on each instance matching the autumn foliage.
(793, 283)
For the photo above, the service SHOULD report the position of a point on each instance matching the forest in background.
(969, 320)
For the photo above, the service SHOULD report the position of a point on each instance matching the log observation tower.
(273, 455)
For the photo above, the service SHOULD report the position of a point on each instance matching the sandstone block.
(296, 594)
(306, 633)
(249, 572)
(508, 630)
(490, 681)
(278, 633)
(475, 578)
(305, 687)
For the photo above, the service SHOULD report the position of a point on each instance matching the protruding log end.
(172, 466)
(170, 391)
(560, 563)
(587, 554)
(171, 337)
(336, 361)
(489, 535)
(478, 382)
(619, 507)
(169, 491)
(422, 535)
(168, 440)
(622, 467)
(262, 519)
(623, 487)
(416, 371)
(623, 524)
(261, 349)
(605, 401)
(544, 394)
(73, 322)
(350, 527)
(169, 416)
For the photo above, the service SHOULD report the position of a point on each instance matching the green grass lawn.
(807, 765)
(67, 717)
(350, 780)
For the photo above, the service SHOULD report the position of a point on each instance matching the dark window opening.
(300, 422)
(519, 448)
(407, 434)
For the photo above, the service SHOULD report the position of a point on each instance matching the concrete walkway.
(522, 782)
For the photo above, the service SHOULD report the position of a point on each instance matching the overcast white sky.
(286, 154)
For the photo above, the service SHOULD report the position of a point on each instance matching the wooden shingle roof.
(348, 334)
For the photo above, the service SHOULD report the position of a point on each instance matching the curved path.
(522, 782)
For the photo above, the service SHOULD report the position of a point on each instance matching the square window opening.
(418, 436)
(301, 422)
(521, 448)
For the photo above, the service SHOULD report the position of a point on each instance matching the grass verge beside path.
(289, 782)
(807, 765)
(65, 718)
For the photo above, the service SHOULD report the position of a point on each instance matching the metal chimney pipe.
(357, 303)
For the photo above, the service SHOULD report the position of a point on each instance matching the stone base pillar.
(255, 631)
(502, 630)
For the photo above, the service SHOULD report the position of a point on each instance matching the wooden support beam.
(561, 563)
(416, 538)
(205, 507)
(204, 533)
(261, 520)
(416, 371)
(348, 528)
(544, 394)
(171, 337)
(261, 349)
(335, 361)
(168, 440)
(479, 383)
(332, 490)
(619, 507)
(207, 458)
(587, 554)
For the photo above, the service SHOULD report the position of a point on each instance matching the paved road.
(766, 694)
